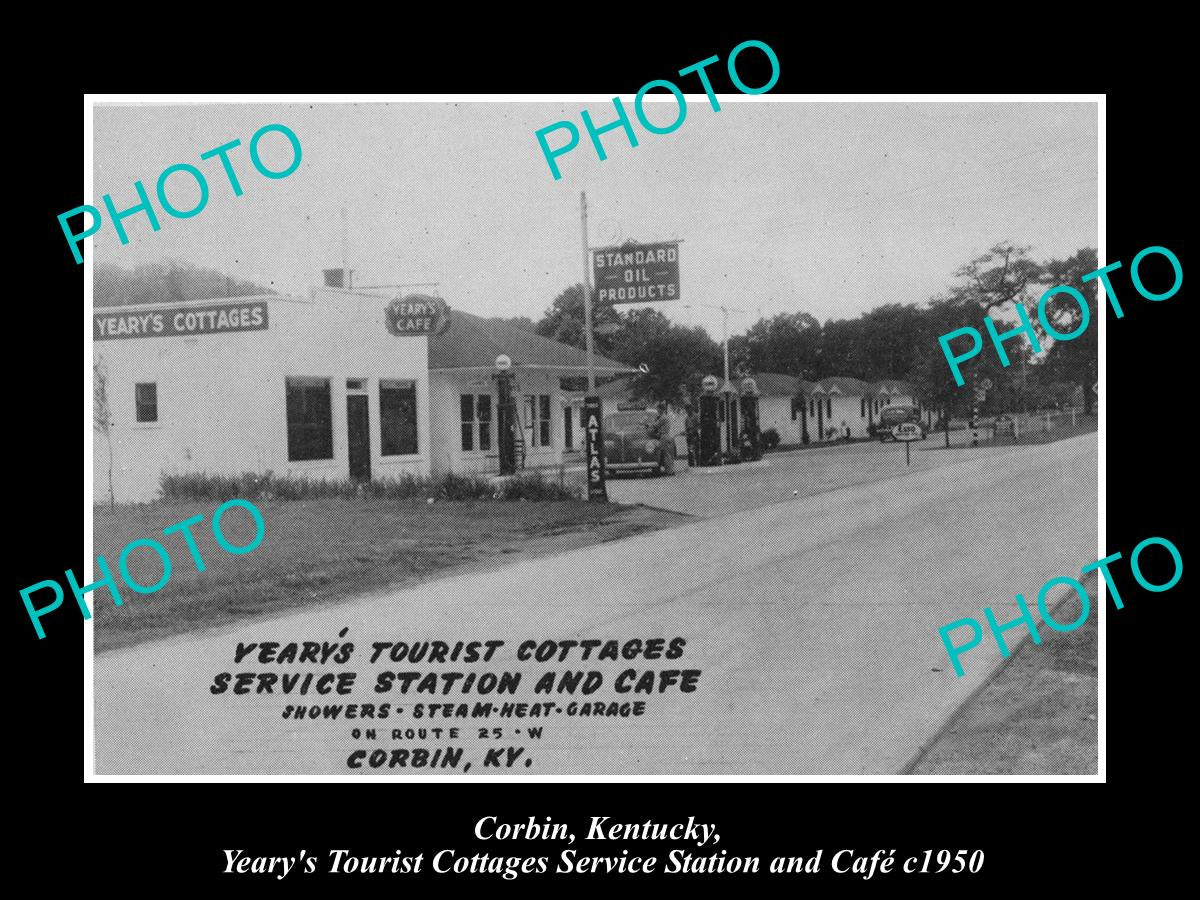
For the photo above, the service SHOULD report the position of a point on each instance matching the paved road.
(716, 490)
(813, 622)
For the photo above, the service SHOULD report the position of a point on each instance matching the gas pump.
(506, 416)
(751, 434)
(710, 426)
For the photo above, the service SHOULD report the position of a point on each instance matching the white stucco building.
(320, 387)
(308, 386)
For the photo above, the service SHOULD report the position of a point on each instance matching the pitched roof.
(618, 388)
(892, 386)
(846, 387)
(475, 342)
(776, 384)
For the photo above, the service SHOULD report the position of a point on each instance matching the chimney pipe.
(337, 278)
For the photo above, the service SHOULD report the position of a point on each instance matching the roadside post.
(907, 432)
(593, 417)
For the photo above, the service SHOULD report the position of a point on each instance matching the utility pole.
(725, 338)
(587, 298)
(345, 252)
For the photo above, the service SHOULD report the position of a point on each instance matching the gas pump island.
(751, 434)
(715, 410)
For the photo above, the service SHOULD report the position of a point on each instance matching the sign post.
(593, 417)
(907, 432)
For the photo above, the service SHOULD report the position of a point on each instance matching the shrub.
(770, 439)
(448, 486)
(534, 486)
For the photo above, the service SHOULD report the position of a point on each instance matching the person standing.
(660, 430)
(691, 429)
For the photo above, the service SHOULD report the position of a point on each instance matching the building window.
(476, 415)
(812, 406)
(309, 419)
(795, 403)
(145, 399)
(398, 417)
(537, 419)
(568, 428)
(467, 407)
(544, 419)
(829, 407)
(483, 409)
(862, 412)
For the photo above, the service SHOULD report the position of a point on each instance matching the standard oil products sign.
(218, 318)
(636, 273)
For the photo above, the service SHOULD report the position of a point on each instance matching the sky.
(782, 206)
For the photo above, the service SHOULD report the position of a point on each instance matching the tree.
(930, 374)
(171, 281)
(1002, 278)
(678, 357)
(102, 416)
(564, 321)
(523, 322)
(841, 349)
(998, 277)
(1075, 362)
(786, 343)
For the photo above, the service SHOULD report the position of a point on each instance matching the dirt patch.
(1036, 717)
(317, 552)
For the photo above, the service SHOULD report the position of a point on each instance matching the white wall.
(222, 400)
(776, 412)
(446, 390)
(848, 409)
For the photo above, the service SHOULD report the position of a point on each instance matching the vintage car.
(633, 443)
(891, 416)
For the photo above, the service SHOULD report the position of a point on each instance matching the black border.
(1051, 836)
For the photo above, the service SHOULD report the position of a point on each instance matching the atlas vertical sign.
(593, 417)
(636, 273)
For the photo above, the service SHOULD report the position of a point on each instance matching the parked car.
(633, 443)
(894, 415)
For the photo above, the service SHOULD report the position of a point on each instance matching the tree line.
(894, 340)
(169, 281)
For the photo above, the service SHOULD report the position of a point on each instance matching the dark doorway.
(358, 435)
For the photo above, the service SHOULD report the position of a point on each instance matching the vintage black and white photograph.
(533, 438)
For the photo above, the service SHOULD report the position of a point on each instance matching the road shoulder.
(1036, 715)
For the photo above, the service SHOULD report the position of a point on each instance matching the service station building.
(334, 385)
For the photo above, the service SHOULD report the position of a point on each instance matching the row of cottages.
(806, 411)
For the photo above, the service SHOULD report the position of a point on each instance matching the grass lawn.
(320, 551)
(1037, 716)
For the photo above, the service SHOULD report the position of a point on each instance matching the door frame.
(352, 395)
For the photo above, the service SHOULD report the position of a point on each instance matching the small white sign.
(907, 431)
